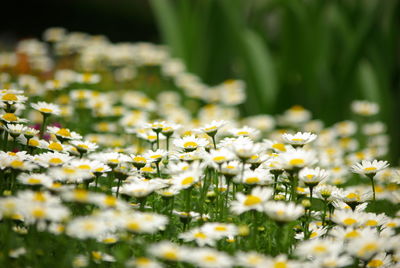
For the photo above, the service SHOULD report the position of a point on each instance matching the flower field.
(114, 155)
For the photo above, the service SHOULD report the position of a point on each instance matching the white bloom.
(300, 138)
(367, 167)
(254, 201)
(283, 212)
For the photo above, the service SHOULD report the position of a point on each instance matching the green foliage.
(320, 54)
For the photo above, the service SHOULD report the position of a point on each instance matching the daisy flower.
(86, 227)
(297, 158)
(84, 146)
(220, 156)
(35, 179)
(63, 134)
(250, 259)
(245, 132)
(70, 174)
(279, 261)
(142, 262)
(52, 159)
(296, 115)
(190, 143)
(29, 132)
(167, 251)
(155, 156)
(244, 148)
(282, 211)
(369, 168)
(364, 108)
(312, 176)
(319, 247)
(88, 78)
(347, 218)
(46, 108)
(254, 201)
(199, 236)
(299, 139)
(254, 177)
(15, 129)
(209, 258)
(12, 96)
(366, 247)
(219, 230)
(212, 128)
(186, 179)
(11, 118)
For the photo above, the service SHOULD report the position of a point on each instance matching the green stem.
(215, 144)
(373, 186)
(43, 126)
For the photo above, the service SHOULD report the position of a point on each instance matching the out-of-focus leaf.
(368, 82)
(168, 23)
(261, 69)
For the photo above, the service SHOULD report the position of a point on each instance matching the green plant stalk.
(43, 126)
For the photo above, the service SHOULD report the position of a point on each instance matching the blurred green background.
(319, 54)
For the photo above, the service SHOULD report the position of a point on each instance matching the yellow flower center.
(313, 234)
(45, 110)
(200, 235)
(367, 248)
(139, 159)
(296, 162)
(88, 226)
(9, 97)
(242, 133)
(40, 197)
(320, 248)
(142, 261)
(133, 226)
(17, 164)
(34, 181)
(297, 140)
(55, 161)
(220, 228)
(147, 169)
(252, 180)
(38, 213)
(210, 258)
(352, 234)
(81, 195)
(349, 221)
(10, 117)
(370, 168)
(170, 255)
(156, 156)
(208, 129)
(187, 180)
(353, 196)
(280, 264)
(371, 223)
(86, 167)
(55, 146)
(33, 143)
(252, 200)
(190, 144)
(83, 146)
(64, 132)
(375, 263)
(279, 147)
(219, 158)
(110, 201)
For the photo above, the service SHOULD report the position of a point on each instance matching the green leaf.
(168, 23)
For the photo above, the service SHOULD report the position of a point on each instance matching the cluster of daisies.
(115, 155)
